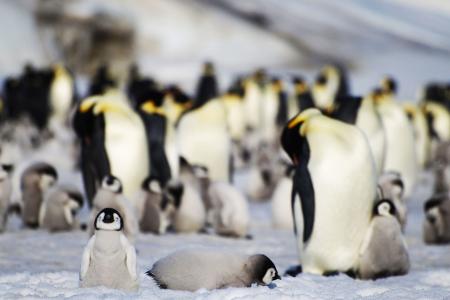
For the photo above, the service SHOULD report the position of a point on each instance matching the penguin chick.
(109, 259)
(229, 213)
(34, 182)
(436, 227)
(190, 215)
(391, 185)
(281, 201)
(194, 269)
(157, 210)
(5, 194)
(384, 251)
(110, 195)
(59, 209)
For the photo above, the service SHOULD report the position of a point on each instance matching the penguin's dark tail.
(158, 283)
(15, 208)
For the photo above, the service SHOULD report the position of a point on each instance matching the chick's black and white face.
(270, 276)
(112, 184)
(385, 208)
(108, 219)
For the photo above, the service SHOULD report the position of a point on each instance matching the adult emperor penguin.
(61, 95)
(253, 95)
(197, 268)
(34, 182)
(400, 146)
(330, 85)
(111, 195)
(118, 143)
(302, 97)
(281, 201)
(5, 193)
(418, 120)
(109, 259)
(59, 209)
(384, 252)
(369, 121)
(207, 125)
(331, 215)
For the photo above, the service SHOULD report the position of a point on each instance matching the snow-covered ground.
(36, 264)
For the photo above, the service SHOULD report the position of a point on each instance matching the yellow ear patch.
(302, 117)
(150, 108)
(87, 104)
(410, 108)
(109, 106)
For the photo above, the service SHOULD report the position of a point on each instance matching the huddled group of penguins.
(338, 169)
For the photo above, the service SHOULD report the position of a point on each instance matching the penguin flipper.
(303, 187)
(130, 258)
(85, 261)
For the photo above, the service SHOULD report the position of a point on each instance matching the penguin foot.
(330, 273)
(351, 274)
(15, 209)
(293, 271)
(249, 237)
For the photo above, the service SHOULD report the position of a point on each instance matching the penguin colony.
(338, 169)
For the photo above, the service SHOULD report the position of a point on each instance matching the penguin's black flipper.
(304, 189)
(293, 271)
(158, 283)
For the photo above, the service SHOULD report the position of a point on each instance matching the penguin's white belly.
(61, 94)
(281, 205)
(269, 114)
(5, 196)
(422, 139)
(110, 270)
(370, 123)
(252, 106)
(236, 119)
(191, 215)
(344, 187)
(400, 150)
(209, 147)
(126, 145)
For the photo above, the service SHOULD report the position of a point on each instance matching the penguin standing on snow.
(194, 269)
(59, 209)
(422, 140)
(391, 187)
(400, 146)
(111, 195)
(384, 252)
(109, 259)
(5, 193)
(331, 213)
(330, 85)
(115, 143)
(34, 182)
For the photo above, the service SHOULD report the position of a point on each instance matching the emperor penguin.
(436, 225)
(34, 182)
(156, 209)
(110, 194)
(102, 81)
(328, 87)
(197, 268)
(207, 87)
(207, 125)
(229, 213)
(384, 252)
(109, 259)
(281, 201)
(5, 193)
(116, 144)
(59, 209)
(274, 110)
(422, 140)
(400, 145)
(302, 97)
(390, 186)
(253, 95)
(61, 95)
(331, 216)
(438, 119)
(369, 121)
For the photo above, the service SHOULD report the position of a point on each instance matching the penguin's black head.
(49, 171)
(179, 96)
(298, 79)
(208, 69)
(109, 219)
(263, 269)
(174, 193)
(8, 168)
(384, 208)
(295, 145)
(434, 202)
(389, 85)
(321, 79)
(112, 183)
(237, 87)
